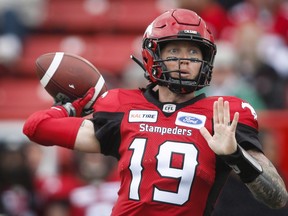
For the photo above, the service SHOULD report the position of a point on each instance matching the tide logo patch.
(143, 116)
(190, 120)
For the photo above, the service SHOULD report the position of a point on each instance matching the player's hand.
(223, 141)
(82, 106)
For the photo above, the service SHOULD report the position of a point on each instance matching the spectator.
(261, 33)
(17, 17)
(99, 193)
(16, 181)
(212, 12)
(228, 81)
(54, 190)
(270, 86)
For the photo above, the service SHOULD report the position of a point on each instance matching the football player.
(174, 149)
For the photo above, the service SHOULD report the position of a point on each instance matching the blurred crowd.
(55, 182)
(252, 39)
(252, 49)
(17, 19)
(251, 63)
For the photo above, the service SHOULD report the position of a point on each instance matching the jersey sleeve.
(107, 120)
(247, 128)
(107, 130)
(247, 137)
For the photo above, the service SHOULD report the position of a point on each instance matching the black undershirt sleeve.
(107, 130)
(247, 137)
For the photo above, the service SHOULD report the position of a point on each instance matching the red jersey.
(165, 165)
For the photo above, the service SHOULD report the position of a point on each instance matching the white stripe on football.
(67, 77)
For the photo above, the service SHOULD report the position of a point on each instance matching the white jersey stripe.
(52, 68)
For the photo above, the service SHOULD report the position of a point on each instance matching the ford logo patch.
(190, 120)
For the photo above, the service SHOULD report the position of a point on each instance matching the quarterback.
(175, 150)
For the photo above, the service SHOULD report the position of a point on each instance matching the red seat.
(109, 53)
(134, 16)
(21, 97)
(76, 16)
(112, 53)
(99, 16)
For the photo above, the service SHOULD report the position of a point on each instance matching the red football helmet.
(177, 24)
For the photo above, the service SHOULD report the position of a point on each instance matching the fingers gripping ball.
(81, 106)
(67, 77)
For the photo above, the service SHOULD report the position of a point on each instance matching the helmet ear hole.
(204, 76)
(149, 44)
(207, 74)
(206, 68)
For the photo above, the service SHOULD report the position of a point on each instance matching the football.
(67, 77)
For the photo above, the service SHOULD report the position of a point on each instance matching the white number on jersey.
(185, 174)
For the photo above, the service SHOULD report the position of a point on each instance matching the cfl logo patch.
(169, 108)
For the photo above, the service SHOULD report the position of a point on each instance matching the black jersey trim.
(247, 137)
(107, 130)
(221, 176)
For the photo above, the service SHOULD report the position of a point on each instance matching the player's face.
(182, 49)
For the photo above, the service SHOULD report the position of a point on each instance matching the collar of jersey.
(152, 96)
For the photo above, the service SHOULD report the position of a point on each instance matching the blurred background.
(251, 63)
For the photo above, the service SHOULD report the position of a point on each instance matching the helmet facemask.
(162, 76)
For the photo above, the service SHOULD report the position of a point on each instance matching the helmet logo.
(190, 32)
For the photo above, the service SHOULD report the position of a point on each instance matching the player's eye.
(173, 51)
(194, 52)
(172, 54)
